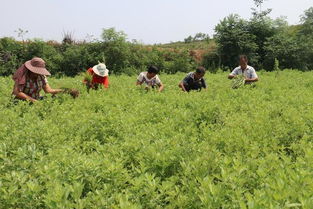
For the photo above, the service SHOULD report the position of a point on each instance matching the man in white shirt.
(150, 79)
(244, 69)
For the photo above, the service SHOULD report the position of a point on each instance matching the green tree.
(262, 28)
(258, 11)
(189, 39)
(307, 22)
(285, 48)
(305, 38)
(111, 35)
(39, 48)
(11, 55)
(201, 37)
(116, 49)
(234, 38)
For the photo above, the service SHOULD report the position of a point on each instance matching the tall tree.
(305, 38)
(262, 28)
(258, 11)
(307, 22)
(233, 38)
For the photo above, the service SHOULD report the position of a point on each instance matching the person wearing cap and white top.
(30, 79)
(150, 79)
(100, 76)
(244, 69)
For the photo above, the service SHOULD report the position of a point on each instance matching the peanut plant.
(128, 148)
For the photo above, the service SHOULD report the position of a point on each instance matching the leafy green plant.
(238, 81)
(129, 148)
(276, 66)
(88, 77)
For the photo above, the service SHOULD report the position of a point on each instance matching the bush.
(52, 57)
(211, 61)
(11, 56)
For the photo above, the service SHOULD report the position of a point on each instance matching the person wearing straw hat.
(97, 76)
(31, 78)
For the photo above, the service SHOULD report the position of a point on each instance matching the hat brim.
(37, 70)
(96, 71)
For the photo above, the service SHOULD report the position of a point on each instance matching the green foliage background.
(125, 148)
(120, 56)
(264, 39)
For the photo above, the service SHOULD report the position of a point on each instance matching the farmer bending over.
(244, 69)
(98, 76)
(30, 78)
(194, 80)
(150, 79)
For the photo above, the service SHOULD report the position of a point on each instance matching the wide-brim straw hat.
(37, 65)
(101, 70)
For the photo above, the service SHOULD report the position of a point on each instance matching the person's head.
(200, 72)
(36, 67)
(243, 61)
(152, 71)
(33, 76)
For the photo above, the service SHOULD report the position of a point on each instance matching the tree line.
(71, 58)
(266, 41)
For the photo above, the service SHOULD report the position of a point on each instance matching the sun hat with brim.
(37, 65)
(101, 70)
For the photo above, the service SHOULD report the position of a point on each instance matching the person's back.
(99, 76)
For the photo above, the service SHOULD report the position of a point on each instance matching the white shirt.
(249, 72)
(142, 78)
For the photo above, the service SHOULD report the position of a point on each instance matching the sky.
(148, 21)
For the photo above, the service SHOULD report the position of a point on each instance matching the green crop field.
(125, 148)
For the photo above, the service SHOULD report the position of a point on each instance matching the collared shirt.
(249, 72)
(33, 88)
(190, 83)
(142, 78)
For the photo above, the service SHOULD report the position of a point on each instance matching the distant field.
(125, 148)
(197, 49)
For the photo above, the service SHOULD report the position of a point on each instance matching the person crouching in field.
(31, 78)
(244, 69)
(150, 79)
(97, 77)
(194, 80)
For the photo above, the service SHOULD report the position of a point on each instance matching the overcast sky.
(150, 21)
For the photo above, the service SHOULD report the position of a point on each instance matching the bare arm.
(138, 83)
(252, 80)
(181, 85)
(231, 76)
(161, 87)
(22, 95)
(49, 90)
